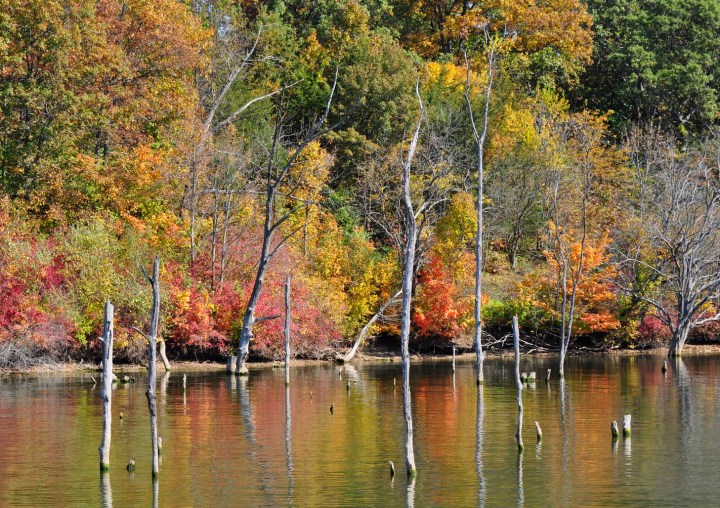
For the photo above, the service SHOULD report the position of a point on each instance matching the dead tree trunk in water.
(106, 386)
(408, 275)
(361, 336)
(480, 143)
(287, 330)
(518, 382)
(152, 360)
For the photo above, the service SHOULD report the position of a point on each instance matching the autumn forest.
(243, 141)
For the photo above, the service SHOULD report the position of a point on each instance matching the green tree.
(655, 60)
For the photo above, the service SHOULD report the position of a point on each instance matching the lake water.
(232, 442)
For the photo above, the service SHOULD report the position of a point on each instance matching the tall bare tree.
(275, 174)
(680, 250)
(479, 136)
(234, 53)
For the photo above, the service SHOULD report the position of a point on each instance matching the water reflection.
(106, 500)
(482, 487)
(288, 443)
(164, 385)
(520, 488)
(410, 491)
(155, 493)
(567, 446)
(231, 443)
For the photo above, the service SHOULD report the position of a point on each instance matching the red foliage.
(653, 330)
(440, 311)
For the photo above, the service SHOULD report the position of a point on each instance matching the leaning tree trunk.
(152, 360)
(246, 332)
(106, 386)
(163, 356)
(361, 336)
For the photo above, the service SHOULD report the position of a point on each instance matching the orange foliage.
(595, 299)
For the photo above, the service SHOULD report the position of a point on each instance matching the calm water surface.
(249, 442)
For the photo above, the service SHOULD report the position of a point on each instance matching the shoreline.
(361, 358)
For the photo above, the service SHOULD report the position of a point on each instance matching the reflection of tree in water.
(521, 490)
(288, 444)
(106, 500)
(482, 487)
(163, 386)
(155, 493)
(248, 419)
(410, 501)
(688, 418)
(567, 430)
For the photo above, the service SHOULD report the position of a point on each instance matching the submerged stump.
(626, 425)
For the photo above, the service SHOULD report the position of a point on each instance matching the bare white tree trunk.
(405, 341)
(287, 330)
(408, 275)
(480, 143)
(518, 382)
(106, 385)
(361, 336)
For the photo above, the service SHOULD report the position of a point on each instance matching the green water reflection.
(254, 442)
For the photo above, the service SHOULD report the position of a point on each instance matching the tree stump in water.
(539, 431)
(230, 365)
(626, 425)
(106, 386)
(614, 429)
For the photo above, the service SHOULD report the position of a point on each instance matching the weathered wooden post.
(539, 432)
(518, 381)
(664, 367)
(287, 330)
(614, 429)
(453, 358)
(106, 386)
(152, 360)
(184, 382)
(626, 425)
(230, 364)
(547, 378)
(531, 377)
(523, 377)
